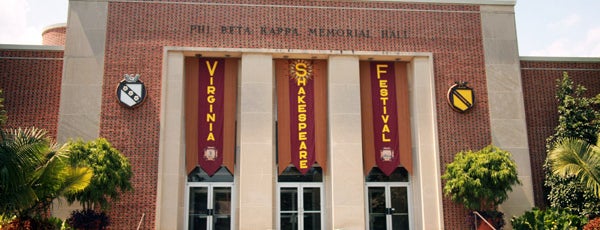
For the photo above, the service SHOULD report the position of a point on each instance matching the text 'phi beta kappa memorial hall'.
(255, 114)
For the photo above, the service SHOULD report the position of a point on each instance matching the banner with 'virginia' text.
(211, 114)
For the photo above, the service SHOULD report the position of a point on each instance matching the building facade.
(261, 114)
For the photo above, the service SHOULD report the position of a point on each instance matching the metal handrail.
(484, 220)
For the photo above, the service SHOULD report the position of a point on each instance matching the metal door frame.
(388, 201)
(300, 186)
(210, 200)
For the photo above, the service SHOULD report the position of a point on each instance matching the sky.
(553, 28)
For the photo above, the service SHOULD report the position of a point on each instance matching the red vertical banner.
(385, 116)
(211, 114)
(302, 110)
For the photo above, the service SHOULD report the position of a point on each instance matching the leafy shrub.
(578, 117)
(88, 219)
(594, 224)
(26, 223)
(549, 219)
(481, 180)
(112, 172)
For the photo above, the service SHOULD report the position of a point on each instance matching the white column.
(256, 157)
(426, 181)
(345, 191)
(171, 159)
(505, 96)
(83, 71)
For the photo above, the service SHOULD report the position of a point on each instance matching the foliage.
(5, 219)
(88, 219)
(112, 172)
(578, 118)
(579, 159)
(481, 180)
(594, 224)
(549, 219)
(27, 223)
(33, 172)
(3, 116)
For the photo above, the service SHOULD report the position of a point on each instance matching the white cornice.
(30, 47)
(560, 59)
(474, 2)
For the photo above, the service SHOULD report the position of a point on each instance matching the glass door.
(388, 206)
(209, 206)
(300, 206)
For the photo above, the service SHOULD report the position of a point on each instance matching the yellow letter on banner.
(380, 70)
(211, 71)
(301, 69)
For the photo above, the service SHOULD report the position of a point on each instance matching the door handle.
(389, 211)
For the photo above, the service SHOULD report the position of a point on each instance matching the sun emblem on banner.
(300, 69)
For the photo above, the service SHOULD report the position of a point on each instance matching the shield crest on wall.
(461, 97)
(131, 92)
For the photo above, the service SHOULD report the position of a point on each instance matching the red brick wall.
(138, 31)
(54, 36)
(30, 81)
(539, 87)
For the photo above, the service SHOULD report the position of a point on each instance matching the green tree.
(112, 172)
(481, 180)
(3, 116)
(578, 159)
(577, 118)
(34, 172)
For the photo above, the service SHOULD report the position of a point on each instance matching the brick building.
(255, 112)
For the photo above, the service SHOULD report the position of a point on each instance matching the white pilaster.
(345, 181)
(256, 157)
(505, 95)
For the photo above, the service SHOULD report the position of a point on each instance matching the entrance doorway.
(388, 201)
(209, 201)
(300, 200)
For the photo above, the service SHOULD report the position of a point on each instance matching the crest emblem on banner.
(386, 154)
(210, 153)
(460, 97)
(131, 92)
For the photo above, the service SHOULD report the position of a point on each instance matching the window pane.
(222, 222)
(198, 200)
(289, 199)
(399, 175)
(291, 174)
(222, 175)
(399, 199)
(198, 210)
(400, 222)
(197, 222)
(312, 221)
(377, 222)
(377, 219)
(289, 221)
(222, 203)
(312, 199)
(377, 200)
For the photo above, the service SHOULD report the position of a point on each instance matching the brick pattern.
(55, 36)
(539, 89)
(137, 32)
(30, 81)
